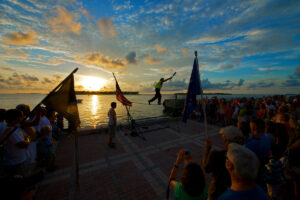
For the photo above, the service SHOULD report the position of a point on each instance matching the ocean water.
(93, 109)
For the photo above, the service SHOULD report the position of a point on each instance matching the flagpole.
(34, 109)
(203, 106)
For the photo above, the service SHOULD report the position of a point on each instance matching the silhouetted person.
(158, 88)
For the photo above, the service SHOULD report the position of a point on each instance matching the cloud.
(227, 66)
(161, 49)
(86, 14)
(291, 83)
(163, 70)
(55, 61)
(25, 77)
(64, 22)
(131, 58)
(106, 27)
(261, 84)
(269, 69)
(126, 6)
(152, 61)
(185, 52)
(21, 53)
(98, 59)
(6, 68)
(46, 80)
(20, 38)
(227, 85)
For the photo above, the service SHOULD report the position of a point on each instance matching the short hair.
(24, 108)
(2, 114)
(113, 104)
(232, 134)
(12, 114)
(245, 162)
(192, 179)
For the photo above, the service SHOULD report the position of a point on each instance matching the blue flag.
(194, 89)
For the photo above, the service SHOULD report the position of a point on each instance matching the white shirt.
(15, 155)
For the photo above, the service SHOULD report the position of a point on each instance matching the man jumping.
(158, 88)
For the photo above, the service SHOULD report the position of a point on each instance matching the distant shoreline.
(102, 93)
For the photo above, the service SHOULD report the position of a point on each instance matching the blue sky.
(243, 46)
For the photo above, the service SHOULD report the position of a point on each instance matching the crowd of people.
(260, 159)
(28, 141)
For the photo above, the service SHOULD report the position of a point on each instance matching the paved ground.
(136, 169)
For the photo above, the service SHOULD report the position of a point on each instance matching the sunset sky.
(243, 46)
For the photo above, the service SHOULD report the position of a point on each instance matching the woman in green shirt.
(192, 184)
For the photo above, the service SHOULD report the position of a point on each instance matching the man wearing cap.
(214, 161)
(158, 88)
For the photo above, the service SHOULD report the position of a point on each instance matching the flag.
(194, 89)
(120, 96)
(63, 100)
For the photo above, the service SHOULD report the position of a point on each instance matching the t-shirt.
(261, 147)
(180, 194)
(15, 155)
(255, 193)
(2, 127)
(159, 85)
(44, 121)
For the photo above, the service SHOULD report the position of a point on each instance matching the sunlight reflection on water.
(93, 109)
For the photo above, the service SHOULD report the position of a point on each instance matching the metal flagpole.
(202, 100)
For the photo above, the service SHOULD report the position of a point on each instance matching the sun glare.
(93, 83)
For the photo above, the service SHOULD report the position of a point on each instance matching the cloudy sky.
(243, 46)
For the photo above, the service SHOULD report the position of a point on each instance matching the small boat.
(79, 100)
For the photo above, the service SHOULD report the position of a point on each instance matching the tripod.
(133, 126)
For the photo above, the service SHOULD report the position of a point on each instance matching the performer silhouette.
(158, 88)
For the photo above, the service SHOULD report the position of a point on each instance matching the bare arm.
(170, 77)
(175, 167)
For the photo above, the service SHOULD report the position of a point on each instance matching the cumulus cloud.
(261, 84)
(185, 52)
(291, 83)
(64, 22)
(160, 49)
(19, 81)
(227, 85)
(106, 27)
(25, 77)
(20, 38)
(152, 61)
(6, 68)
(105, 62)
(131, 58)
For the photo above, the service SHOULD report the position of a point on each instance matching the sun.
(93, 83)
